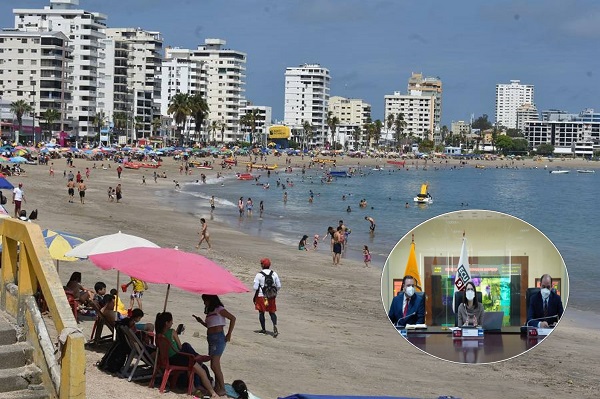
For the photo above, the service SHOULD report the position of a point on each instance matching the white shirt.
(18, 194)
(259, 280)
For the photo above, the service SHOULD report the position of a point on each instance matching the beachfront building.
(33, 67)
(130, 78)
(261, 119)
(352, 111)
(429, 86)
(85, 31)
(572, 137)
(213, 71)
(306, 99)
(526, 112)
(418, 110)
(556, 115)
(459, 128)
(509, 97)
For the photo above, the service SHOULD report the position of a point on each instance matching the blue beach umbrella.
(5, 184)
(18, 160)
(59, 243)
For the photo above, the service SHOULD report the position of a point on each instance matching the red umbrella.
(188, 271)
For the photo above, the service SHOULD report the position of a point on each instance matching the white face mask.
(545, 293)
(409, 291)
(470, 295)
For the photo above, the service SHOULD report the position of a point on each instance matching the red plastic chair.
(162, 363)
(73, 303)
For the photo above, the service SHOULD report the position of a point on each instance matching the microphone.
(541, 319)
(398, 324)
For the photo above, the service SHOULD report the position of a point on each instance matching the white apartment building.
(306, 99)
(131, 77)
(85, 31)
(212, 70)
(429, 86)
(509, 97)
(526, 112)
(565, 136)
(352, 111)
(460, 127)
(262, 123)
(33, 67)
(418, 111)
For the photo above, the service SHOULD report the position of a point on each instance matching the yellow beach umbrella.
(59, 243)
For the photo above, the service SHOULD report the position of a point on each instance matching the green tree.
(120, 121)
(99, 121)
(504, 144)
(179, 108)
(520, 146)
(212, 128)
(482, 123)
(332, 122)
(156, 124)
(377, 132)
(308, 132)
(514, 133)
(198, 109)
(356, 136)
(426, 145)
(545, 149)
(20, 108)
(399, 126)
(50, 116)
(249, 119)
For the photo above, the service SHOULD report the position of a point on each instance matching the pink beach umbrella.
(188, 271)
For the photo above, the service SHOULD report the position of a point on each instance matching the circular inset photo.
(474, 286)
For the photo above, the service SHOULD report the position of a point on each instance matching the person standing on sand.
(367, 256)
(261, 303)
(337, 246)
(119, 171)
(204, 236)
(261, 208)
(18, 197)
(71, 189)
(118, 193)
(81, 187)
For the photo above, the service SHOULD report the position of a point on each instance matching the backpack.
(114, 359)
(269, 290)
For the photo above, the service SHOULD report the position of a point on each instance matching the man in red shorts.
(266, 285)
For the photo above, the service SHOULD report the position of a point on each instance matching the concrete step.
(35, 392)
(15, 355)
(8, 334)
(20, 378)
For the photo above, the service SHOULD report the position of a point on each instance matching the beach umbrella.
(109, 243)
(5, 184)
(18, 160)
(59, 243)
(189, 271)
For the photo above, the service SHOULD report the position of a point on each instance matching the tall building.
(306, 99)
(567, 136)
(459, 128)
(526, 112)
(215, 72)
(134, 55)
(33, 67)
(85, 31)
(417, 109)
(429, 86)
(349, 111)
(509, 97)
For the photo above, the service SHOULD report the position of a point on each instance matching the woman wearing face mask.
(470, 312)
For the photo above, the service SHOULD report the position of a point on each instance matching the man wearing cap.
(18, 197)
(261, 303)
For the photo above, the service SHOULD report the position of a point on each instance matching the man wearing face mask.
(543, 305)
(407, 307)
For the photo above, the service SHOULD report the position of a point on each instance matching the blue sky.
(372, 46)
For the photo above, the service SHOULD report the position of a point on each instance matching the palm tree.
(308, 131)
(249, 119)
(20, 108)
(198, 111)
(50, 116)
(222, 126)
(399, 125)
(156, 124)
(99, 121)
(213, 127)
(332, 122)
(377, 131)
(120, 120)
(356, 136)
(179, 107)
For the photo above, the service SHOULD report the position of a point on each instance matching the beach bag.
(114, 359)
(3, 199)
(269, 290)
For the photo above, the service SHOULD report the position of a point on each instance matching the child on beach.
(315, 242)
(139, 287)
(367, 256)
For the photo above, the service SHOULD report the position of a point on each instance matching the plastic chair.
(162, 363)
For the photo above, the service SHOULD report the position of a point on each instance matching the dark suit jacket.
(536, 308)
(416, 305)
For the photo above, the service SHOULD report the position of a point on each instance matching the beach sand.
(335, 337)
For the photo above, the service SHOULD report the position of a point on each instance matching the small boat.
(131, 165)
(324, 160)
(339, 173)
(424, 197)
(586, 171)
(559, 172)
(479, 166)
(204, 167)
(262, 166)
(245, 176)
(230, 161)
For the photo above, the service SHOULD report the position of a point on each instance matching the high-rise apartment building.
(418, 112)
(85, 31)
(306, 99)
(33, 67)
(349, 111)
(132, 68)
(215, 72)
(526, 112)
(509, 97)
(428, 86)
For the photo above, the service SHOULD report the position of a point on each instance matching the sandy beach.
(335, 337)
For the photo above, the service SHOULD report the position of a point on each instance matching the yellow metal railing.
(27, 265)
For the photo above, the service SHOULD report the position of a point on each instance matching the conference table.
(494, 346)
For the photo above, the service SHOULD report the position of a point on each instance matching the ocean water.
(563, 206)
